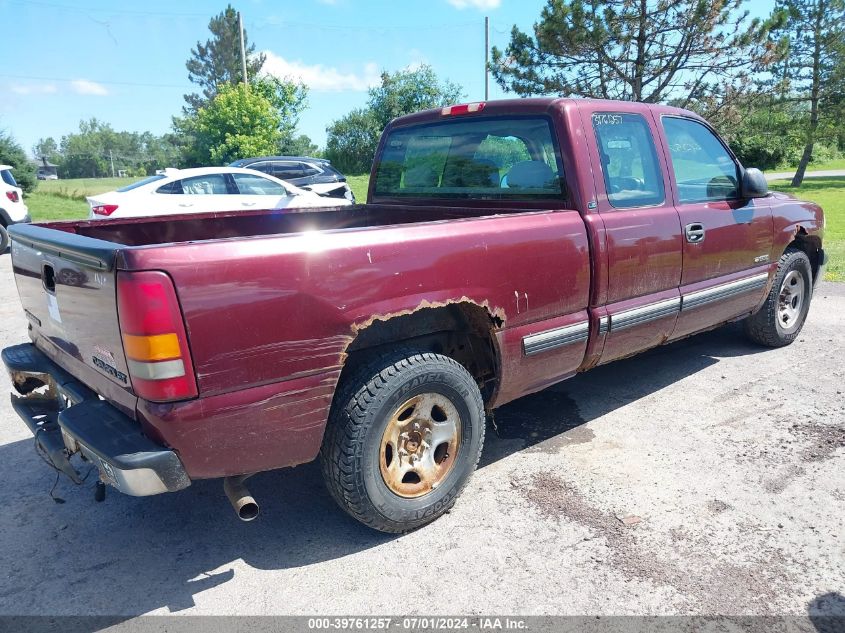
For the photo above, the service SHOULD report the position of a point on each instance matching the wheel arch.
(463, 331)
(811, 245)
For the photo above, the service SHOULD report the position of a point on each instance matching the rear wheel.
(779, 321)
(4, 239)
(404, 436)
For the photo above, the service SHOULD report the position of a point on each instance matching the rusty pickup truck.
(504, 246)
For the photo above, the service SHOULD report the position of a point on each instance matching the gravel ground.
(706, 477)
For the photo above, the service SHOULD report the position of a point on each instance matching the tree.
(408, 91)
(241, 121)
(639, 50)
(218, 61)
(811, 32)
(238, 122)
(12, 154)
(300, 145)
(352, 140)
(46, 148)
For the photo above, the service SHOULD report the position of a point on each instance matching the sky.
(124, 63)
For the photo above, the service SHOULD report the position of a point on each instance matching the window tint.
(8, 178)
(266, 168)
(258, 186)
(286, 171)
(141, 183)
(704, 170)
(205, 185)
(171, 187)
(497, 158)
(309, 170)
(629, 164)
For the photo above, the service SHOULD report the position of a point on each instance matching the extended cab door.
(642, 227)
(727, 240)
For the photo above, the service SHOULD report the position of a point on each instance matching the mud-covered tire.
(770, 325)
(366, 403)
(4, 239)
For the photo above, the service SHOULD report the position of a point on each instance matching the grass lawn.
(359, 186)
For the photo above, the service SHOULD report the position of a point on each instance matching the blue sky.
(124, 63)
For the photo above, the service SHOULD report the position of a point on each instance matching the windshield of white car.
(141, 183)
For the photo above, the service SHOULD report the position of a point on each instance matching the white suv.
(12, 208)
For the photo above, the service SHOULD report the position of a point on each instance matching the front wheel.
(780, 319)
(403, 439)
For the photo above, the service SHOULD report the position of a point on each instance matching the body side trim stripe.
(552, 339)
(651, 312)
(724, 291)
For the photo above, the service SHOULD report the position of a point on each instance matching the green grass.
(359, 186)
(828, 192)
(45, 207)
(78, 188)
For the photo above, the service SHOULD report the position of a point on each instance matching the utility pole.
(111, 159)
(243, 50)
(486, 58)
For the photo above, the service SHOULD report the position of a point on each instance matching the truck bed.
(149, 231)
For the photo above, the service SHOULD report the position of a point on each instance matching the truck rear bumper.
(67, 417)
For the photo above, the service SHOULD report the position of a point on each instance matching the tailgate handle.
(48, 278)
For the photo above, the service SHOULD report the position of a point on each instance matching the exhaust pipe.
(245, 506)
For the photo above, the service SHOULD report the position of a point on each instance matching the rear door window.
(257, 186)
(210, 184)
(704, 170)
(287, 171)
(632, 176)
(483, 158)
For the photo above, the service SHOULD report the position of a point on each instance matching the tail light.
(464, 108)
(104, 209)
(13, 196)
(154, 338)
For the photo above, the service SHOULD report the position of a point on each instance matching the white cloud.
(475, 4)
(34, 89)
(322, 78)
(85, 87)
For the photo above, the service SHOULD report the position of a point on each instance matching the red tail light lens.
(104, 209)
(154, 338)
(13, 196)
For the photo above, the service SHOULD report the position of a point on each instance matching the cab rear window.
(482, 158)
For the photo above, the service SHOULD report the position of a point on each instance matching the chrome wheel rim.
(419, 445)
(791, 300)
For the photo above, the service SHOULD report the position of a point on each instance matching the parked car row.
(205, 190)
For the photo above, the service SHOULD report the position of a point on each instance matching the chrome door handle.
(248, 204)
(694, 232)
(186, 204)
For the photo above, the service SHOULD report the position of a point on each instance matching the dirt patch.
(822, 440)
(717, 506)
(723, 581)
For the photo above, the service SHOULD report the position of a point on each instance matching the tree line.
(773, 86)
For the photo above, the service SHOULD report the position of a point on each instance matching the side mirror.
(754, 184)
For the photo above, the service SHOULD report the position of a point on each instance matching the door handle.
(186, 204)
(694, 232)
(247, 204)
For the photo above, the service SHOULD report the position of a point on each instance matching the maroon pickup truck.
(504, 246)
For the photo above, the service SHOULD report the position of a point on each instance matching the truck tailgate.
(66, 284)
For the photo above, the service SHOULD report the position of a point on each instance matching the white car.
(12, 208)
(204, 190)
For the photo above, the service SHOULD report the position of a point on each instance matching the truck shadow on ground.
(130, 556)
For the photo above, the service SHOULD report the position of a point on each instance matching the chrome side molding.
(723, 291)
(644, 314)
(552, 339)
